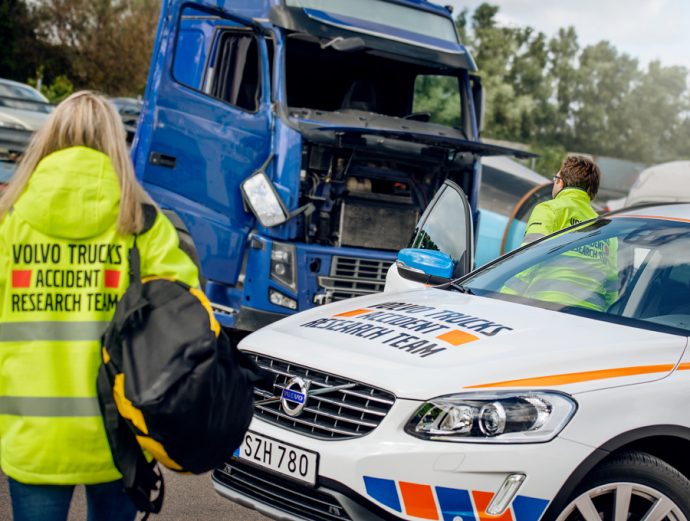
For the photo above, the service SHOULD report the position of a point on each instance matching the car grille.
(353, 410)
(285, 495)
(354, 277)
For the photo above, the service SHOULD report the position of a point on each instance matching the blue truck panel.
(320, 103)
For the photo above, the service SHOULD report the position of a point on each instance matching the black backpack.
(171, 382)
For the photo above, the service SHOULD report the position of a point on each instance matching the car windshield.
(622, 269)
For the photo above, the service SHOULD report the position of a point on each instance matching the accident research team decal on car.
(409, 327)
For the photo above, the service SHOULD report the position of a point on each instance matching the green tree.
(110, 41)
(440, 97)
(652, 125)
(555, 96)
(22, 53)
(562, 69)
(604, 79)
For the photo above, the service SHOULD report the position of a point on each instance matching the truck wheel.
(629, 487)
(187, 246)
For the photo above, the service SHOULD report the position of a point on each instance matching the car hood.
(430, 342)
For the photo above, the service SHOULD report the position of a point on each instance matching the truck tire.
(634, 483)
(187, 246)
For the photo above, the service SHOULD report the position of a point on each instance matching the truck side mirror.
(415, 268)
(263, 200)
(478, 100)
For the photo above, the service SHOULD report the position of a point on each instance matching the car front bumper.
(388, 474)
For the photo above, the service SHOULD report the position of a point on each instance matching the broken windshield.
(330, 80)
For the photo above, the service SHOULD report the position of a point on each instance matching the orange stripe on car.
(418, 500)
(481, 502)
(353, 313)
(572, 378)
(660, 217)
(457, 337)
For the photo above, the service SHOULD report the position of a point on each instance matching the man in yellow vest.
(585, 276)
(574, 187)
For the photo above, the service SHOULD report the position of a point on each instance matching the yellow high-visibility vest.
(569, 207)
(585, 277)
(63, 267)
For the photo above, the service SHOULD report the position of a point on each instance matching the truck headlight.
(283, 269)
(504, 417)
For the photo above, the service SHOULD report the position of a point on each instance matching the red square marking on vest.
(112, 279)
(21, 278)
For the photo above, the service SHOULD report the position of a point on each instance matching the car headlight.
(283, 265)
(503, 417)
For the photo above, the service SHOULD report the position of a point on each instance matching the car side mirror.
(425, 266)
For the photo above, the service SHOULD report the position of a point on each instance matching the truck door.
(442, 244)
(210, 128)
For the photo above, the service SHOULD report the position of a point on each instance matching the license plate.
(280, 457)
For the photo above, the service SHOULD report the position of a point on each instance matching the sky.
(644, 29)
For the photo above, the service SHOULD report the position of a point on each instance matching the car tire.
(636, 481)
(187, 246)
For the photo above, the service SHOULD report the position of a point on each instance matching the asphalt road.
(187, 498)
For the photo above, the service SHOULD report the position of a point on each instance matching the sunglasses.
(556, 177)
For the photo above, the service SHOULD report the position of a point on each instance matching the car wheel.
(632, 486)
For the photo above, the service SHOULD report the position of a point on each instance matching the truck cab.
(294, 145)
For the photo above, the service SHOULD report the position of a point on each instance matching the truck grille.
(348, 410)
(354, 277)
(288, 496)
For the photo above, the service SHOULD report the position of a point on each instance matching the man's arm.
(542, 222)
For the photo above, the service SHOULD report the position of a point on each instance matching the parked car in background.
(468, 403)
(664, 183)
(23, 110)
(22, 107)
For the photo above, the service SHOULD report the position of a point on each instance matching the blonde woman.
(67, 221)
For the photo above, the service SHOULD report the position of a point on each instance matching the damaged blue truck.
(287, 141)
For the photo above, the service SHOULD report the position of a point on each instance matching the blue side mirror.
(427, 266)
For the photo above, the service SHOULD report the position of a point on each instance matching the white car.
(466, 402)
(22, 107)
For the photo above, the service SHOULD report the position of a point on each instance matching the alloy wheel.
(622, 502)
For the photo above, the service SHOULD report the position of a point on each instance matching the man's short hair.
(581, 172)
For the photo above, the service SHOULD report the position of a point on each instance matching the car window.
(224, 64)
(439, 97)
(620, 268)
(443, 229)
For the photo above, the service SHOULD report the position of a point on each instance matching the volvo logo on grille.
(294, 397)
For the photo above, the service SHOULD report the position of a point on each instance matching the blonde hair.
(89, 120)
